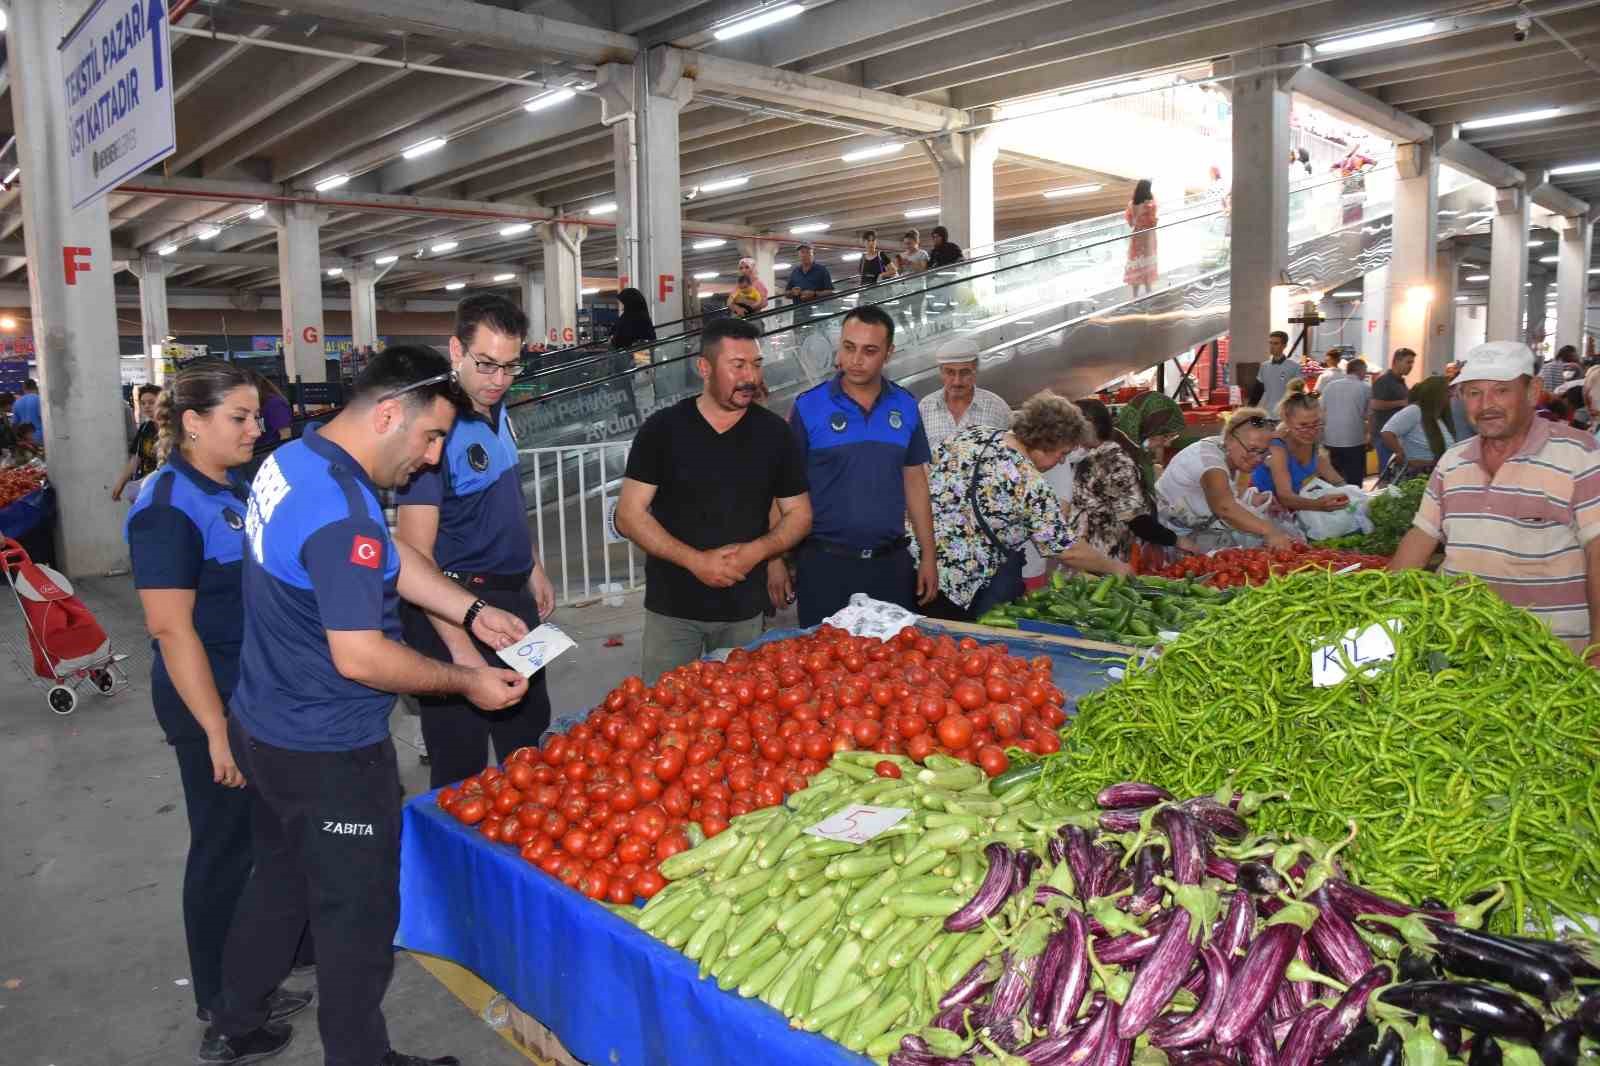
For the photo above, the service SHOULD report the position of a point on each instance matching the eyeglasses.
(394, 394)
(1256, 422)
(489, 368)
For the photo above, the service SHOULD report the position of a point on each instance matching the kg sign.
(116, 66)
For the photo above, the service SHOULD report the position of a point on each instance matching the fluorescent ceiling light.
(587, 292)
(850, 257)
(166, 249)
(708, 244)
(1071, 190)
(334, 272)
(1472, 266)
(725, 183)
(922, 212)
(1477, 277)
(785, 266)
(757, 20)
(516, 230)
(705, 275)
(1527, 284)
(549, 99)
(445, 246)
(208, 233)
(332, 183)
(1575, 168)
(454, 285)
(604, 209)
(810, 227)
(1549, 258)
(1462, 299)
(1537, 244)
(875, 152)
(1348, 294)
(1393, 35)
(1512, 120)
(257, 213)
(504, 277)
(385, 260)
(1594, 271)
(421, 148)
(11, 177)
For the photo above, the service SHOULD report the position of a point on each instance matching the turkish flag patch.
(367, 552)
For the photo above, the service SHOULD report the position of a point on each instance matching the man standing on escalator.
(468, 515)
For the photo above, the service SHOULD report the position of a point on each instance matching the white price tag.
(858, 823)
(1365, 648)
(536, 650)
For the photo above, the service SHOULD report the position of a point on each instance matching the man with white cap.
(1519, 504)
(961, 404)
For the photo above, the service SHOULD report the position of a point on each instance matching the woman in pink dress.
(1141, 216)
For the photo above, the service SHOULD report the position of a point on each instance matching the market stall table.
(610, 993)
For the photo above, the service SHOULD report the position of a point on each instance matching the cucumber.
(798, 913)
(955, 778)
(875, 963)
(783, 990)
(899, 849)
(943, 819)
(712, 952)
(910, 947)
(811, 886)
(702, 910)
(816, 921)
(764, 975)
(941, 906)
(917, 985)
(803, 994)
(626, 911)
(776, 845)
(926, 885)
(836, 1007)
(941, 761)
(883, 1046)
(753, 928)
(970, 804)
(871, 893)
(734, 887)
(858, 1035)
(855, 867)
(678, 933)
(655, 916)
(972, 869)
(792, 852)
(853, 770)
(877, 922)
(949, 944)
(733, 860)
(803, 869)
(979, 944)
(751, 900)
(822, 846)
(736, 970)
(832, 979)
(696, 945)
(1020, 791)
(923, 863)
(779, 886)
(945, 838)
(699, 858)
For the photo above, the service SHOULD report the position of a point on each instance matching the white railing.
(571, 494)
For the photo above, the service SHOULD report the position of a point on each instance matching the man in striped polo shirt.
(1518, 505)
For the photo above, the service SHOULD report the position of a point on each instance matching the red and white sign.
(74, 261)
(666, 284)
(367, 552)
(310, 335)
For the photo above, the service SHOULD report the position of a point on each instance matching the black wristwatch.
(472, 613)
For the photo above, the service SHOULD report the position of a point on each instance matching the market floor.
(92, 840)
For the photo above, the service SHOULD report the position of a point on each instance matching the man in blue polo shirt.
(866, 462)
(309, 728)
(468, 515)
(810, 280)
(26, 409)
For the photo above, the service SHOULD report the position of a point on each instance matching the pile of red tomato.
(1232, 567)
(655, 768)
(17, 482)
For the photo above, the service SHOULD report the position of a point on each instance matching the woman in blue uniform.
(186, 536)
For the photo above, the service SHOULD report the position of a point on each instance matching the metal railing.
(572, 509)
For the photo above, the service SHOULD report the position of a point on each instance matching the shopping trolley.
(68, 644)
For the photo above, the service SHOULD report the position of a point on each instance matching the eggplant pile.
(1159, 926)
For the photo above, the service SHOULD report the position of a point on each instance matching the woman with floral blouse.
(1112, 504)
(990, 498)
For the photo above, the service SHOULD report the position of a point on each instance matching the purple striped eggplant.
(1124, 820)
(1080, 856)
(1300, 992)
(1214, 816)
(1131, 794)
(1222, 869)
(1159, 975)
(998, 884)
(1258, 975)
(1189, 845)
(1334, 939)
(1259, 879)
(1083, 1048)
(1348, 1013)
(1132, 947)
(1237, 925)
(973, 984)
(1147, 867)
(1196, 1027)
(1010, 992)
(1353, 901)
(1256, 1047)
(1304, 1037)
(1071, 982)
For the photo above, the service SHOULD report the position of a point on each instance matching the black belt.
(860, 553)
(489, 581)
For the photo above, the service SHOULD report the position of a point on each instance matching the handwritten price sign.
(858, 823)
(1364, 649)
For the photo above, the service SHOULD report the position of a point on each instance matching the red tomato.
(1007, 721)
(885, 768)
(600, 846)
(998, 689)
(992, 760)
(594, 884)
(490, 774)
(648, 822)
(472, 810)
(536, 847)
(445, 797)
(867, 732)
(669, 764)
(955, 731)
(1047, 743)
(648, 883)
(713, 824)
(816, 746)
(910, 725)
(625, 798)
(490, 828)
(920, 746)
(969, 694)
(676, 800)
(633, 848)
(769, 793)
(552, 861)
(671, 844)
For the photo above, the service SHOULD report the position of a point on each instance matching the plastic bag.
(1323, 525)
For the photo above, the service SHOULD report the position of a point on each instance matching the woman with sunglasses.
(1197, 494)
(186, 536)
(1296, 456)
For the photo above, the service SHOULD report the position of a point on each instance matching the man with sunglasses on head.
(319, 669)
(468, 515)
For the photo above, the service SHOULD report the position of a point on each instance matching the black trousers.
(327, 849)
(217, 868)
(825, 582)
(457, 733)
(1351, 463)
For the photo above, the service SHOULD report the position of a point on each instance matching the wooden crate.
(539, 1042)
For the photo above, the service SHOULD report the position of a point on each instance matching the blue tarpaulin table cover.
(23, 516)
(613, 996)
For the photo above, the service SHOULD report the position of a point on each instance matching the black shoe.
(301, 971)
(394, 1058)
(282, 1003)
(262, 1043)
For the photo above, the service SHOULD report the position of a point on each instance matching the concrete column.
(300, 290)
(1508, 265)
(1374, 343)
(765, 253)
(1538, 298)
(966, 186)
(648, 184)
(1442, 334)
(71, 301)
(1574, 247)
(152, 271)
(563, 278)
(363, 281)
(1412, 300)
(1260, 249)
(532, 286)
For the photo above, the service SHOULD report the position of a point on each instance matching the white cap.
(960, 350)
(1496, 361)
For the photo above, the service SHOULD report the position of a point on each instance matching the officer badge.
(234, 519)
(895, 421)
(837, 422)
(478, 458)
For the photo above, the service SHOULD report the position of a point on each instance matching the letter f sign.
(74, 260)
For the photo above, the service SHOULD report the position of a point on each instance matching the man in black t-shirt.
(943, 250)
(702, 480)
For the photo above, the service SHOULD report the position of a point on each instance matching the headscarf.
(1432, 395)
(1148, 415)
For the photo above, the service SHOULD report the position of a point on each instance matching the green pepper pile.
(1391, 513)
(1471, 758)
(1115, 609)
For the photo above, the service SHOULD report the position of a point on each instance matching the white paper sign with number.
(858, 823)
(536, 650)
(1366, 649)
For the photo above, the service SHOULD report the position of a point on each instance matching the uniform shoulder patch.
(366, 551)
